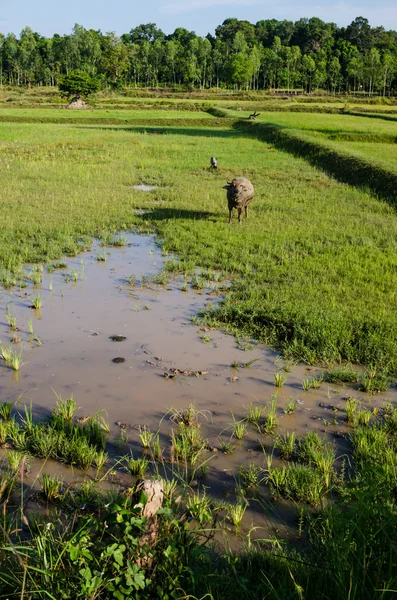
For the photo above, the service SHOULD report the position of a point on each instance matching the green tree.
(372, 69)
(114, 62)
(334, 73)
(78, 84)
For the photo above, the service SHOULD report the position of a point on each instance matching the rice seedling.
(235, 365)
(50, 487)
(316, 382)
(12, 321)
(98, 421)
(342, 375)
(156, 448)
(290, 406)
(119, 242)
(279, 379)
(199, 507)
(319, 454)
(30, 326)
(145, 435)
(7, 485)
(187, 444)
(254, 414)
(307, 384)
(249, 477)
(5, 410)
(100, 460)
(373, 381)
(64, 410)
(15, 361)
(236, 512)
(271, 420)
(14, 460)
(288, 365)
(362, 417)
(169, 487)
(286, 444)
(249, 363)
(390, 418)
(75, 275)
(374, 453)
(187, 416)
(244, 345)
(137, 466)
(87, 496)
(16, 435)
(6, 353)
(77, 452)
(351, 407)
(226, 447)
(101, 257)
(37, 303)
(3, 433)
(296, 482)
(36, 277)
(205, 339)
(239, 428)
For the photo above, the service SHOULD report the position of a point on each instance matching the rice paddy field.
(295, 415)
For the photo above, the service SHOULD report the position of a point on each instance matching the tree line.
(308, 54)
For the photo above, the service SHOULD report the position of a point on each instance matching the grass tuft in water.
(279, 379)
(146, 436)
(137, 466)
(286, 444)
(271, 420)
(50, 487)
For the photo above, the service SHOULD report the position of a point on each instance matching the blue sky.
(202, 16)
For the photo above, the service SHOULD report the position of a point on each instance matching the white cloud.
(190, 5)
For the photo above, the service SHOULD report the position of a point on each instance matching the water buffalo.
(239, 192)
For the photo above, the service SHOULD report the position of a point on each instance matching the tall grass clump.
(319, 454)
(5, 410)
(285, 444)
(137, 466)
(50, 487)
(341, 375)
(279, 379)
(296, 482)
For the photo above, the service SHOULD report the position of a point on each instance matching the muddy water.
(75, 326)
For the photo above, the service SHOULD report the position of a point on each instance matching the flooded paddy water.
(168, 362)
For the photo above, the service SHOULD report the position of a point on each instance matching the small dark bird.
(214, 162)
(239, 193)
(254, 115)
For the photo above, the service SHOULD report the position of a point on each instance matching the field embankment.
(357, 164)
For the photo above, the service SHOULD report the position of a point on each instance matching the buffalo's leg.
(246, 211)
(240, 210)
(230, 216)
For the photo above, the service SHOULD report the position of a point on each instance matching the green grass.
(100, 114)
(313, 268)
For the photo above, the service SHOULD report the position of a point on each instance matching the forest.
(302, 56)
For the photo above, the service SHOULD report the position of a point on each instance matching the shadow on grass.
(182, 130)
(167, 214)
